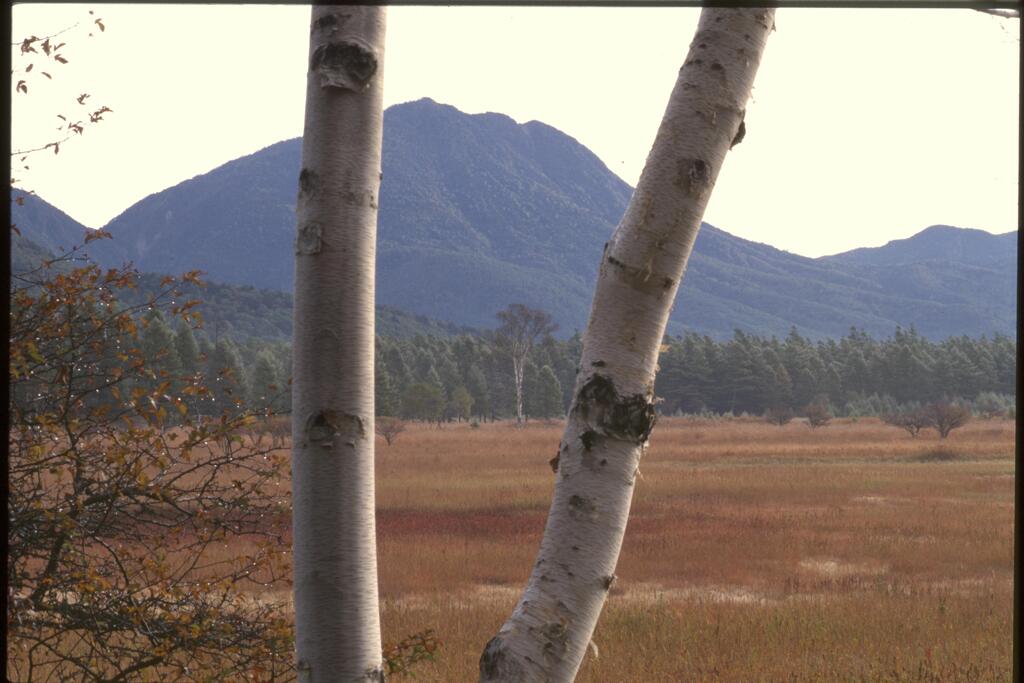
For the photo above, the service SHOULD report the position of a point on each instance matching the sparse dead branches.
(50, 54)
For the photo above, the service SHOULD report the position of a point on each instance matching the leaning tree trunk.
(337, 622)
(613, 407)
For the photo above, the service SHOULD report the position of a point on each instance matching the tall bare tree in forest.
(612, 412)
(520, 328)
(336, 611)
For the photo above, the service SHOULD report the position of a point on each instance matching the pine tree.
(188, 350)
(265, 385)
(448, 372)
(549, 394)
(226, 375)
(422, 401)
(158, 347)
(460, 405)
(433, 378)
(685, 376)
(397, 368)
(385, 393)
(802, 366)
(476, 383)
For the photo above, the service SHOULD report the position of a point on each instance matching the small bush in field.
(912, 421)
(778, 415)
(278, 428)
(945, 416)
(817, 414)
(389, 428)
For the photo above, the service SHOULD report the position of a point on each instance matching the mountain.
(50, 228)
(237, 311)
(734, 283)
(465, 226)
(940, 244)
(477, 211)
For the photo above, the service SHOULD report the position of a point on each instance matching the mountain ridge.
(936, 243)
(478, 211)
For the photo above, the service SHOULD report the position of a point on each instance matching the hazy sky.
(866, 125)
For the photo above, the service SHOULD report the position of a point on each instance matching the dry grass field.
(851, 552)
(754, 553)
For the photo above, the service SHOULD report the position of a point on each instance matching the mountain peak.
(937, 243)
(420, 104)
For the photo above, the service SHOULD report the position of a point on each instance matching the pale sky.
(866, 125)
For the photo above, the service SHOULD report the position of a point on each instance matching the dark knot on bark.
(598, 404)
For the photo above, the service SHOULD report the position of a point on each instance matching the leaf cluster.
(73, 122)
(401, 657)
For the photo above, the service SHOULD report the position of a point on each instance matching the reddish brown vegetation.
(750, 548)
(121, 500)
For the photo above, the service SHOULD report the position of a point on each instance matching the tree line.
(471, 377)
(855, 375)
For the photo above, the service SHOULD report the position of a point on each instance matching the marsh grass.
(753, 553)
(937, 455)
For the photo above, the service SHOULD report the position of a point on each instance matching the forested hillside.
(478, 212)
(237, 311)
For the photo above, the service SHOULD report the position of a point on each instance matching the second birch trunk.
(612, 413)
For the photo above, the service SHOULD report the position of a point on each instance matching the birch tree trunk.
(612, 414)
(517, 373)
(337, 620)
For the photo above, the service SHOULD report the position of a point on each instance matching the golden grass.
(754, 552)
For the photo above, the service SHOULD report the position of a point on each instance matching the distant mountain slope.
(477, 212)
(46, 225)
(237, 311)
(26, 255)
(940, 243)
(235, 223)
(755, 287)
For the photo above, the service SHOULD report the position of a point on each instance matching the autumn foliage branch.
(50, 54)
(123, 501)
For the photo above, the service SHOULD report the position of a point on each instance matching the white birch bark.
(337, 620)
(612, 414)
(518, 359)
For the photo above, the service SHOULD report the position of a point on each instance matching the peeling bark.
(309, 239)
(334, 541)
(548, 633)
(348, 65)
